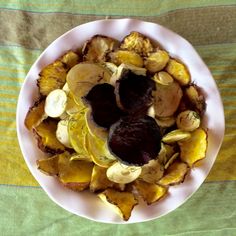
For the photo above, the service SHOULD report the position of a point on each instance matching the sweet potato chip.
(194, 149)
(48, 166)
(121, 202)
(175, 174)
(150, 192)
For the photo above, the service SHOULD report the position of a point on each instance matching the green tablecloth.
(26, 29)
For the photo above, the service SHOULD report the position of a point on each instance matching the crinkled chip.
(121, 202)
(150, 192)
(175, 174)
(135, 140)
(194, 149)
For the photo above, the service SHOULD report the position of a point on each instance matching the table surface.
(28, 27)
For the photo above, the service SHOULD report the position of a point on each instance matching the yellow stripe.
(17, 70)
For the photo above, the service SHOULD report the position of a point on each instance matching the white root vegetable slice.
(62, 133)
(123, 174)
(55, 104)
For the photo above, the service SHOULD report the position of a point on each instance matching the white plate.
(86, 204)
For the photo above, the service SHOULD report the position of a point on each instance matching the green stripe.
(36, 214)
(112, 7)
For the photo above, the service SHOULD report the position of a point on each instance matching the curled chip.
(179, 71)
(194, 149)
(137, 42)
(150, 192)
(70, 59)
(175, 174)
(96, 49)
(121, 202)
(135, 140)
(176, 135)
(35, 115)
(134, 92)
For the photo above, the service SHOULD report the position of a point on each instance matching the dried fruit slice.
(171, 160)
(102, 100)
(135, 140)
(46, 136)
(163, 78)
(128, 57)
(74, 174)
(179, 71)
(55, 104)
(167, 99)
(121, 202)
(152, 171)
(52, 77)
(82, 77)
(96, 49)
(35, 115)
(134, 92)
(123, 174)
(176, 135)
(48, 166)
(150, 192)
(137, 42)
(156, 61)
(175, 174)
(194, 149)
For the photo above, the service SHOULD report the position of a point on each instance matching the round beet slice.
(135, 140)
(105, 111)
(134, 92)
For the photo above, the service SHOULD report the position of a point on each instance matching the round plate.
(86, 204)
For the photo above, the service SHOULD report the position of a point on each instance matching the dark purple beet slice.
(135, 140)
(105, 111)
(134, 92)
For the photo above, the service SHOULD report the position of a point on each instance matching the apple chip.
(150, 192)
(48, 166)
(194, 149)
(175, 174)
(121, 202)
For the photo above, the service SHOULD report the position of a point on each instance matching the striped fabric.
(27, 27)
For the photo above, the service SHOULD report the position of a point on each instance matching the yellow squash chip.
(70, 59)
(121, 202)
(74, 174)
(179, 71)
(175, 174)
(127, 57)
(150, 192)
(194, 149)
(48, 166)
(35, 115)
